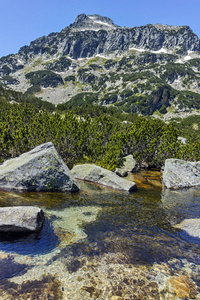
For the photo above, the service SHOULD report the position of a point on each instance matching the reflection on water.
(181, 204)
(105, 244)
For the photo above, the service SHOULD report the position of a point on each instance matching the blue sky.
(22, 21)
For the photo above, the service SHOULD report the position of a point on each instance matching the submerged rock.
(22, 219)
(102, 176)
(41, 169)
(181, 174)
(183, 286)
(129, 165)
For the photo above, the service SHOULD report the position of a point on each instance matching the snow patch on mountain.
(190, 55)
(100, 22)
(162, 50)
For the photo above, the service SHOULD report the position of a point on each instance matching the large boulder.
(129, 165)
(179, 174)
(40, 169)
(21, 219)
(102, 176)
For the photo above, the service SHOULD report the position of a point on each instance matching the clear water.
(105, 244)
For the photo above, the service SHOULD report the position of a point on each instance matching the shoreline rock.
(41, 169)
(21, 219)
(129, 165)
(180, 174)
(96, 174)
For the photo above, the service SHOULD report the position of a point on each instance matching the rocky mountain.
(140, 69)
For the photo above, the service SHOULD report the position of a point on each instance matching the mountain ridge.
(140, 69)
(116, 38)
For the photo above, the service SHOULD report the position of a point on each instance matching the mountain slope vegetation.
(92, 134)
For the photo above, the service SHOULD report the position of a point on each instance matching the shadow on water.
(33, 244)
(140, 247)
(10, 268)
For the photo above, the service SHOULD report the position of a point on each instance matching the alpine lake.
(103, 244)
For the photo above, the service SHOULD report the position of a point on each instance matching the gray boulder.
(181, 174)
(191, 226)
(40, 169)
(129, 165)
(182, 140)
(102, 176)
(22, 219)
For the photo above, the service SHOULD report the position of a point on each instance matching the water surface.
(105, 244)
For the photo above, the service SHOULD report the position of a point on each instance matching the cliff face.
(92, 35)
(155, 65)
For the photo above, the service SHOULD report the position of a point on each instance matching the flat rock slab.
(21, 219)
(41, 169)
(96, 174)
(181, 174)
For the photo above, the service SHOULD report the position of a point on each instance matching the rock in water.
(41, 169)
(129, 165)
(191, 226)
(183, 286)
(22, 219)
(181, 174)
(102, 176)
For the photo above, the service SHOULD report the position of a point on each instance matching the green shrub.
(45, 78)
(70, 78)
(188, 100)
(60, 65)
(78, 100)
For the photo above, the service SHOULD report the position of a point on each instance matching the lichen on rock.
(41, 169)
(181, 174)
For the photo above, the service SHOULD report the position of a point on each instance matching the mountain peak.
(138, 69)
(92, 22)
